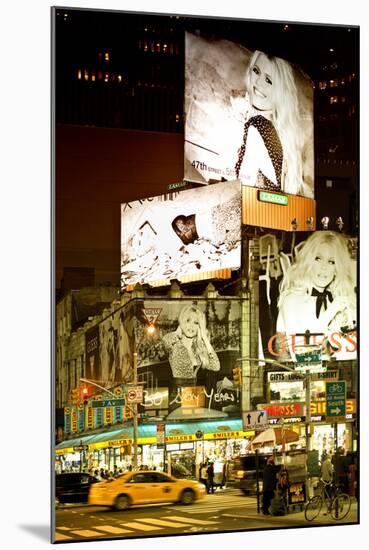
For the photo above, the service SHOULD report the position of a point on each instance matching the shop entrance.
(182, 464)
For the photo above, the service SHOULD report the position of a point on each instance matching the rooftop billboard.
(178, 234)
(248, 116)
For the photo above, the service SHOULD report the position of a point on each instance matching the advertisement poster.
(116, 347)
(189, 232)
(186, 365)
(248, 116)
(313, 301)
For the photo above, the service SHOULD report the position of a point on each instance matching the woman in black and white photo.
(270, 156)
(189, 347)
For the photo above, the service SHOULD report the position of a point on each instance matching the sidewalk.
(297, 517)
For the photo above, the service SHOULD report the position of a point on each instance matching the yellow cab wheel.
(122, 502)
(187, 497)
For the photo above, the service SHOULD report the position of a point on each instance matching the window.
(140, 478)
(160, 478)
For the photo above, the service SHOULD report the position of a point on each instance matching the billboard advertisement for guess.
(192, 353)
(311, 303)
(248, 116)
(185, 233)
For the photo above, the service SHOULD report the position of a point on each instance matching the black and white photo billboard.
(311, 302)
(184, 233)
(248, 116)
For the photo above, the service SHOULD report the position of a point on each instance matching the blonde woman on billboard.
(189, 347)
(318, 294)
(270, 156)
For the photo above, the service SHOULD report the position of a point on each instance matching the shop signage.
(254, 420)
(285, 409)
(179, 185)
(135, 394)
(335, 394)
(80, 448)
(274, 198)
(108, 403)
(278, 410)
(89, 417)
(152, 314)
(74, 420)
(293, 376)
(119, 442)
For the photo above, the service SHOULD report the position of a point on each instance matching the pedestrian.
(277, 504)
(204, 474)
(283, 484)
(97, 475)
(327, 469)
(224, 476)
(210, 472)
(269, 484)
(340, 464)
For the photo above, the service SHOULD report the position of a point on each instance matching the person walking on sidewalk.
(269, 484)
(204, 474)
(210, 472)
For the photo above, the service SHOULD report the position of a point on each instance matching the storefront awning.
(181, 431)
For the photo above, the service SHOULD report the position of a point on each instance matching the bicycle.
(338, 503)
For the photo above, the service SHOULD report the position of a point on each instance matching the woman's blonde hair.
(298, 277)
(198, 346)
(286, 119)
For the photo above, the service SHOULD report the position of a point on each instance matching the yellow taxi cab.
(144, 487)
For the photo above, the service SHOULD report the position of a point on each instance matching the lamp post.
(135, 413)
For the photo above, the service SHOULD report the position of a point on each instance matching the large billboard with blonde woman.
(248, 116)
(310, 299)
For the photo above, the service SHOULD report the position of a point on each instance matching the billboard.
(248, 116)
(184, 233)
(308, 301)
(186, 364)
(116, 347)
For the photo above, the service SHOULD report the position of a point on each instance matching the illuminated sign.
(179, 185)
(278, 410)
(290, 409)
(316, 311)
(192, 233)
(283, 376)
(274, 198)
(226, 134)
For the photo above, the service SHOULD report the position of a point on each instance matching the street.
(223, 511)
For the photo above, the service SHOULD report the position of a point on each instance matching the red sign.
(285, 409)
(278, 410)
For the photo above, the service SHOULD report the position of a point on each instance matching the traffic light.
(237, 376)
(75, 396)
(85, 394)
